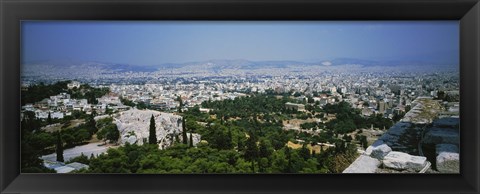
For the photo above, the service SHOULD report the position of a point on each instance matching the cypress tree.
(152, 138)
(191, 140)
(107, 110)
(180, 104)
(49, 119)
(59, 149)
(184, 132)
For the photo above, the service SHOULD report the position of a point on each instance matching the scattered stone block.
(379, 150)
(363, 164)
(403, 161)
(64, 169)
(448, 158)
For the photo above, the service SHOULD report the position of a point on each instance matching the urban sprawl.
(166, 93)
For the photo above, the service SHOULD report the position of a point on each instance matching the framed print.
(239, 96)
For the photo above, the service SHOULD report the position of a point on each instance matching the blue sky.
(158, 42)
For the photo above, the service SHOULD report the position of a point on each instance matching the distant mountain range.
(251, 65)
(216, 65)
(89, 65)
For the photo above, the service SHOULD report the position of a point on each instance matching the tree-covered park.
(241, 135)
(244, 135)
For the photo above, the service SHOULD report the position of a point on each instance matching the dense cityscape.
(194, 110)
(372, 92)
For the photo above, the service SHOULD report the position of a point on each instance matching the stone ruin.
(416, 144)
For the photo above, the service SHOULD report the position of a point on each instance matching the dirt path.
(87, 150)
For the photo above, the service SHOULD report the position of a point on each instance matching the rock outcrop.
(134, 127)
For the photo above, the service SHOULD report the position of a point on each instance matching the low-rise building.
(295, 107)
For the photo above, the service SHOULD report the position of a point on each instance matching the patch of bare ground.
(316, 148)
(68, 125)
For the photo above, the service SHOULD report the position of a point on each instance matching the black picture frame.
(14, 11)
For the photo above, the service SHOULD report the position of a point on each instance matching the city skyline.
(156, 43)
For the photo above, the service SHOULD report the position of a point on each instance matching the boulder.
(402, 161)
(448, 158)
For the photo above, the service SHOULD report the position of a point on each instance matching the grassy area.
(58, 126)
(94, 139)
(53, 127)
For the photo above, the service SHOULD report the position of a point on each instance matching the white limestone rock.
(448, 158)
(134, 126)
(403, 161)
(131, 139)
(196, 138)
(363, 164)
(379, 150)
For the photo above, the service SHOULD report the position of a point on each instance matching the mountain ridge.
(219, 64)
